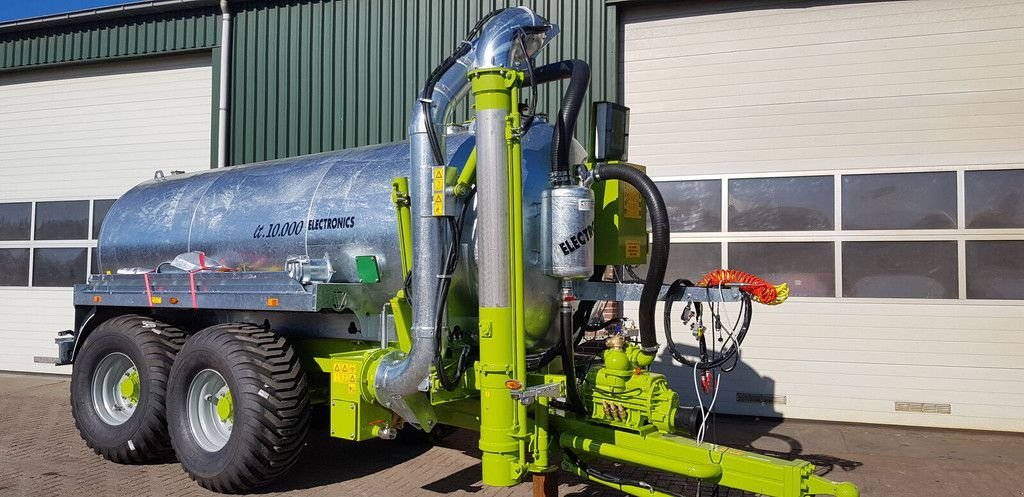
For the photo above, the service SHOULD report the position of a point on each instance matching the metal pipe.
(492, 209)
(225, 71)
(399, 378)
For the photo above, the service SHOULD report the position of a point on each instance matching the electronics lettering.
(332, 223)
(278, 230)
(573, 243)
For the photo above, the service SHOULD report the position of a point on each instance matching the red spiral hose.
(758, 288)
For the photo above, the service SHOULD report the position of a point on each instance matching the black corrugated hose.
(659, 245)
(578, 73)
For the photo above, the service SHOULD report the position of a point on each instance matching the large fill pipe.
(398, 378)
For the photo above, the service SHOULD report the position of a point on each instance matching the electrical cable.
(435, 75)
(528, 121)
(728, 351)
(443, 285)
(701, 431)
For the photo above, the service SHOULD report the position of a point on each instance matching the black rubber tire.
(271, 407)
(151, 345)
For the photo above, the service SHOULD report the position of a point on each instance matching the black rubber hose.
(578, 74)
(675, 292)
(659, 245)
(572, 387)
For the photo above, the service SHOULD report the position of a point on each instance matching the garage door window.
(943, 234)
(995, 199)
(99, 213)
(59, 266)
(995, 269)
(49, 243)
(15, 221)
(62, 220)
(808, 267)
(900, 269)
(909, 201)
(781, 204)
(14, 267)
(693, 205)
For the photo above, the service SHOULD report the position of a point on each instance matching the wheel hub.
(116, 388)
(129, 387)
(211, 410)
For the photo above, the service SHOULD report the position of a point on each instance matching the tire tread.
(159, 345)
(261, 361)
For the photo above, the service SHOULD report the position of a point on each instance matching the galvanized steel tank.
(334, 205)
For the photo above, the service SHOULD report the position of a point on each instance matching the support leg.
(545, 484)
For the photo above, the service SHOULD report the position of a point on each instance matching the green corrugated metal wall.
(126, 37)
(310, 76)
(290, 99)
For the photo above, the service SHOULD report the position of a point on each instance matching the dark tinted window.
(900, 269)
(99, 212)
(15, 221)
(899, 201)
(808, 267)
(59, 266)
(692, 260)
(67, 220)
(693, 205)
(14, 267)
(782, 204)
(995, 269)
(994, 199)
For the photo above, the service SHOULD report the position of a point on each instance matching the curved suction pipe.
(399, 378)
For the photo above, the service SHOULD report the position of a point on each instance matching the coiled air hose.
(659, 245)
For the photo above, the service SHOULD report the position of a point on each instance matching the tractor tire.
(238, 407)
(118, 388)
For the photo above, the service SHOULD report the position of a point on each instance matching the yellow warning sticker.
(336, 375)
(631, 204)
(438, 204)
(633, 248)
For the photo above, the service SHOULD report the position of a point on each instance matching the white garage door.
(72, 139)
(872, 155)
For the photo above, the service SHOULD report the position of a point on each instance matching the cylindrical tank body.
(334, 206)
(568, 216)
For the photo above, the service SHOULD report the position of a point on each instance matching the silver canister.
(567, 218)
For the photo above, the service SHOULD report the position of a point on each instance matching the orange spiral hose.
(762, 291)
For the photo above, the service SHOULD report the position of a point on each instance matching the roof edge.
(103, 13)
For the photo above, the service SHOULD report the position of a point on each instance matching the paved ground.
(42, 455)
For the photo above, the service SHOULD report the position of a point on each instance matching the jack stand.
(545, 484)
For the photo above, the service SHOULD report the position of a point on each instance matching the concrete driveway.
(42, 455)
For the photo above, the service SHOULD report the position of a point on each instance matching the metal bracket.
(529, 395)
(596, 290)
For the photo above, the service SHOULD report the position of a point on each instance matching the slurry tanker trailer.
(447, 281)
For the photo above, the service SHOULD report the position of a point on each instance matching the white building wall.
(89, 132)
(732, 90)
